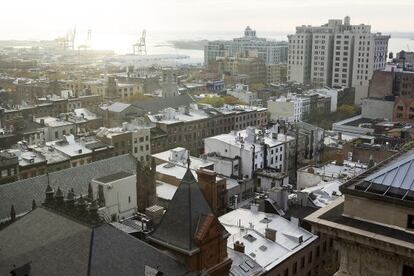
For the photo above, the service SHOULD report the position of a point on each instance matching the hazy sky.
(45, 19)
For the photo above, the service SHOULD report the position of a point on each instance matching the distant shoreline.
(189, 44)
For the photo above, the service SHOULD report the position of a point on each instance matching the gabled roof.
(22, 192)
(55, 244)
(186, 211)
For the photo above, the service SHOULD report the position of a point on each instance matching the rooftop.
(324, 193)
(239, 138)
(249, 226)
(52, 121)
(113, 177)
(27, 157)
(116, 107)
(52, 156)
(54, 244)
(22, 192)
(391, 179)
(69, 146)
(179, 156)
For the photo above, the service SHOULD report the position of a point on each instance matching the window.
(410, 221)
(3, 173)
(310, 257)
(302, 262)
(295, 268)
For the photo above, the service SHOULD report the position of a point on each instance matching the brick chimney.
(270, 234)
(208, 184)
(239, 246)
(339, 158)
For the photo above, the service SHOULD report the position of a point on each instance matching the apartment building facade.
(337, 54)
(271, 52)
(187, 127)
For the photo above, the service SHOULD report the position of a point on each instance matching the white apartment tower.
(337, 54)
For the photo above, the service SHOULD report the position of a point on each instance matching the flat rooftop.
(248, 226)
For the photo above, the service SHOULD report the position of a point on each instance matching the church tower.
(191, 231)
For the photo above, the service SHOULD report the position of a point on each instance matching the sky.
(47, 19)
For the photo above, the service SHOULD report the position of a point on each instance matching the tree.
(257, 86)
(232, 100)
(347, 110)
(214, 101)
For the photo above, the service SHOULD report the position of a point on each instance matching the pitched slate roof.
(117, 253)
(187, 209)
(48, 241)
(22, 192)
(54, 244)
(156, 104)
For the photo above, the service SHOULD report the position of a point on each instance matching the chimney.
(49, 194)
(93, 209)
(239, 247)
(270, 234)
(236, 201)
(208, 184)
(59, 196)
(340, 136)
(70, 198)
(339, 158)
(254, 208)
(81, 204)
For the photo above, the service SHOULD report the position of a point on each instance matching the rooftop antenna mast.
(140, 48)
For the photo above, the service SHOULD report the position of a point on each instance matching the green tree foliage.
(257, 86)
(220, 101)
(325, 121)
(214, 101)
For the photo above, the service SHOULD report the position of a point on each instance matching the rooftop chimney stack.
(49, 194)
(239, 246)
(270, 234)
(339, 158)
(59, 196)
(208, 184)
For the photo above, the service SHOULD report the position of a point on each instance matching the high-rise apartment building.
(271, 52)
(337, 54)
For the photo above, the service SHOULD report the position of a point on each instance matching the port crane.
(140, 47)
(88, 41)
